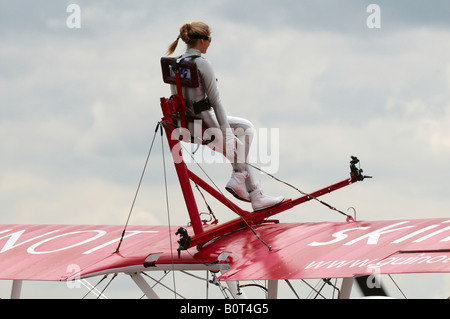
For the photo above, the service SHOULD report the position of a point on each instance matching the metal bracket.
(185, 240)
(356, 173)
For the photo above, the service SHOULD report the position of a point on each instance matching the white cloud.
(13, 182)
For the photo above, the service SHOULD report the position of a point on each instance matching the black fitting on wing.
(185, 240)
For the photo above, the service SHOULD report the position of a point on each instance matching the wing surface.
(62, 252)
(299, 250)
(335, 250)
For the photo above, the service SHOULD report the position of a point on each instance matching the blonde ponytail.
(172, 47)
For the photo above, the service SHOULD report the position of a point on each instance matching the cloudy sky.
(78, 107)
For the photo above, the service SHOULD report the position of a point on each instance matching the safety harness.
(199, 106)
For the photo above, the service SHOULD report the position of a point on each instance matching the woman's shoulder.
(203, 63)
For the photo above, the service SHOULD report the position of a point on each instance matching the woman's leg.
(242, 184)
(244, 132)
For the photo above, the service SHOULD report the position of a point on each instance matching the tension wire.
(93, 287)
(101, 293)
(168, 213)
(138, 188)
(301, 192)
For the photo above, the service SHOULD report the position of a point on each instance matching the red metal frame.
(260, 216)
(168, 106)
(174, 109)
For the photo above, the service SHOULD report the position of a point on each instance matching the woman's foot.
(261, 201)
(236, 186)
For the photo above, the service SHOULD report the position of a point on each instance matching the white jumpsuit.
(216, 116)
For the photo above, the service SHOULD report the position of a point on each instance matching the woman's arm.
(209, 83)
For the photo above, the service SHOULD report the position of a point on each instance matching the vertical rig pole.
(181, 169)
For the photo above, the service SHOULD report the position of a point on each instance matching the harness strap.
(176, 61)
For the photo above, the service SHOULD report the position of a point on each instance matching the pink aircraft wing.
(298, 250)
(335, 250)
(62, 252)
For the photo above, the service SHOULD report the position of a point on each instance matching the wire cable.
(138, 188)
(301, 192)
(94, 288)
(401, 291)
(292, 288)
(101, 293)
(168, 213)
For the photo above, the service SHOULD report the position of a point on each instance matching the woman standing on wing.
(204, 104)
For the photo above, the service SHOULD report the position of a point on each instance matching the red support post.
(181, 169)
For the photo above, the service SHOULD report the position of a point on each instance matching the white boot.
(261, 201)
(236, 186)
